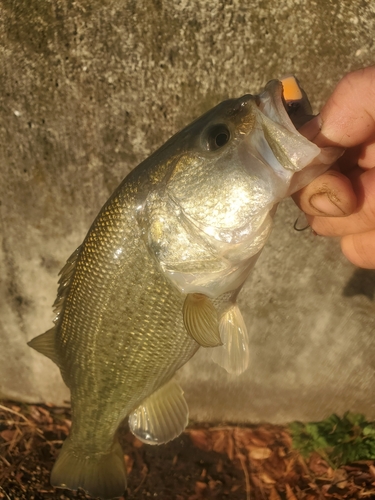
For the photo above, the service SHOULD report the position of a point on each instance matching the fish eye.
(217, 137)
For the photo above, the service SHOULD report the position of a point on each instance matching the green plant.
(338, 440)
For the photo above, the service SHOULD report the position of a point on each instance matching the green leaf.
(339, 440)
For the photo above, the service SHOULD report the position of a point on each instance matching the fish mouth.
(286, 103)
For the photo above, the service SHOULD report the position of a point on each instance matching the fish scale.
(157, 315)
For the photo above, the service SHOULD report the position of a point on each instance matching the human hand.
(341, 202)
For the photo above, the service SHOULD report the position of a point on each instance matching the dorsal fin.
(45, 343)
(66, 275)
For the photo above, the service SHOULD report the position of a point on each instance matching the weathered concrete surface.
(89, 89)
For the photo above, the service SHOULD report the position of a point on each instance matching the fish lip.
(290, 114)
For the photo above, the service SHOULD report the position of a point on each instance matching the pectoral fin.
(200, 319)
(234, 354)
(162, 416)
(45, 344)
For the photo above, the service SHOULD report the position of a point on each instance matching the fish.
(159, 272)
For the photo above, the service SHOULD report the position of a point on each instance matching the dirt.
(205, 462)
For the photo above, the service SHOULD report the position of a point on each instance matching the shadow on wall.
(362, 282)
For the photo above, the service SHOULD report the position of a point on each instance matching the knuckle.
(359, 84)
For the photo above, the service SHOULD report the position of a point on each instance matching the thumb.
(348, 117)
(360, 249)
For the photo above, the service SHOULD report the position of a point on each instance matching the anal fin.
(201, 321)
(162, 416)
(234, 354)
(45, 344)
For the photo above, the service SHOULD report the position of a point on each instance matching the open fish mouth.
(286, 108)
(286, 103)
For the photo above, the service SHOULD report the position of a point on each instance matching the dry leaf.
(342, 484)
(281, 452)
(137, 443)
(129, 462)
(256, 480)
(275, 466)
(317, 465)
(266, 478)
(257, 453)
(340, 478)
(274, 495)
(200, 486)
(257, 441)
(289, 493)
(274, 472)
(8, 435)
(46, 414)
(222, 442)
(292, 470)
(34, 413)
(201, 439)
(330, 473)
(212, 484)
(325, 488)
(265, 432)
(243, 437)
(286, 439)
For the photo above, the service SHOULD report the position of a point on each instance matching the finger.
(329, 195)
(362, 155)
(362, 219)
(348, 118)
(366, 158)
(349, 159)
(360, 249)
(311, 128)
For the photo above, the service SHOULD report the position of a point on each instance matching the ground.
(206, 462)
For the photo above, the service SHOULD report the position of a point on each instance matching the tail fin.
(100, 475)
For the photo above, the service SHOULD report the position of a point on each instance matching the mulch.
(206, 462)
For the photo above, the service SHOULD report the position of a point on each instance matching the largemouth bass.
(158, 274)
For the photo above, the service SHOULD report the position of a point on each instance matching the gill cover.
(208, 221)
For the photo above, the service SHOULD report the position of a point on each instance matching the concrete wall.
(89, 89)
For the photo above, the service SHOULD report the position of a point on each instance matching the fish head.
(208, 218)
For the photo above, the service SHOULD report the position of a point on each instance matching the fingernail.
(324, 204)
(312, 128)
